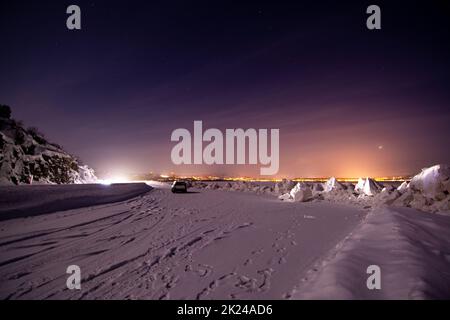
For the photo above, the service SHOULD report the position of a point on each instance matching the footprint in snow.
(248, 262)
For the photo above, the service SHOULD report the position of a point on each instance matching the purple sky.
(113, 92)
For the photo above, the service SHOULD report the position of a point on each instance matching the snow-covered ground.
(229, 240)
(411, 248)
(25, 200)
(207, 245)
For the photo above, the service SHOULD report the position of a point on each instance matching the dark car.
(179, 186)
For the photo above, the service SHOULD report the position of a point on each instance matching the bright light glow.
(115, 179)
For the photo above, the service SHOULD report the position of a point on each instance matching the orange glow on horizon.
(250, 179)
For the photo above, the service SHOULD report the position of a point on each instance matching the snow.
(317, 187)
(368, 187)
(228, 240)
(359, 187)
(284, 186)
(26, 201)
(26, 155)
(403, 187)
(412, 250)
(433, 182)
(301, 192)
(85, 175)
(285, 197)
(242, 186)
(211, 244)
(427, 191)
(387, 196)
(333, 184)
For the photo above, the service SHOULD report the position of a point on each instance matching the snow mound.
(388, 189)
(284, 186)
(433, 182)
(301, 192)
(387, 196)
(317, 187)
(227, 186)
(368, 187)
(333, 184)
(212, 186)
(284, 197)
(428, 191)
(242, 186)
(402, 188)
(26, 201)
(410, 248)
(198, 184)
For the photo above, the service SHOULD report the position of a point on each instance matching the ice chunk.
(301, 192)
(333, 184)
(368, 187)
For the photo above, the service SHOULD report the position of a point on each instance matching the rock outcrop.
(27, 157)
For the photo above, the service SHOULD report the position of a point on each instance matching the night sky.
(348, 101)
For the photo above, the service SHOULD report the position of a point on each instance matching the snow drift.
(411, 249)
(27, 201)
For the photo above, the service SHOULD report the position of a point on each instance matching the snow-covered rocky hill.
(26, 156)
